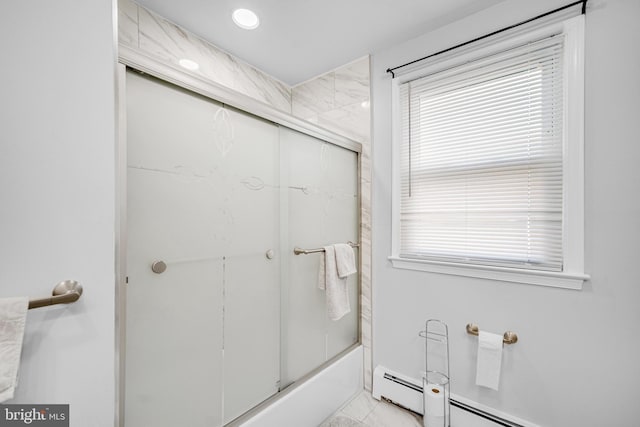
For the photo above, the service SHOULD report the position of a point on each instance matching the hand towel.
(345, 260)
(489, 360)
(13, 315)
(335, 287)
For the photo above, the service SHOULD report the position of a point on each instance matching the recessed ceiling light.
(245, 18)
(189, 64)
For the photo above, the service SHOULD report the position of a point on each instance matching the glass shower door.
(221, 315)
(203, 207)
(321, 209)
(251, 301)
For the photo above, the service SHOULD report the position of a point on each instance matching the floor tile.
(389, 415)
(360, 407)
(365, 411)
(341, 421)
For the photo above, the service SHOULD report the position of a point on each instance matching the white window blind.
(481, 161)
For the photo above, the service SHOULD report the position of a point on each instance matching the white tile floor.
(365, 411)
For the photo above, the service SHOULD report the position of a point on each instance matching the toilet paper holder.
(509, 337)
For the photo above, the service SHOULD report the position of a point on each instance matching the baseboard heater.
(404, 392)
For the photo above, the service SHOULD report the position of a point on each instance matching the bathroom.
(575, 360)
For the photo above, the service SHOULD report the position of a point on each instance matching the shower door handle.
(158, 267)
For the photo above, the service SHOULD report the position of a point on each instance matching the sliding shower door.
(203, 200)
(322, 208)
(221, 315)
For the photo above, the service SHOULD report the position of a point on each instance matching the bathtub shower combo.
(221, 314)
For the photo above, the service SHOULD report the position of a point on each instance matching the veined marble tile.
(341, 421)
(352, 83)
(128, 23)
(350, 120)
(303, 111)
(261, 86)
(360, 407)
(365, 246)
(171, 43)
(376, 414)
(387, 415)
(365, 296)
(316, 95)
(217, 65)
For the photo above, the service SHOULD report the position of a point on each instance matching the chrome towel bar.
(64, 293)
(509, 337)
(300, 251)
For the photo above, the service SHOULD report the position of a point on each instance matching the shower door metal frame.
(139, 61)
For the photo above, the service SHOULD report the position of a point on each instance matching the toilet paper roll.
(434, 400)
(433, 421)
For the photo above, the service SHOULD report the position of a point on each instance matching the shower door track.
(177, 76)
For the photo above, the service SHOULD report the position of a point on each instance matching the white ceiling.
(301, 39)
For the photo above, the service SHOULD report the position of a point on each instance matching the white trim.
(532, 277)
(396, 137)
(180, 77)
(573, 274)
(121, 243)
(573, 156)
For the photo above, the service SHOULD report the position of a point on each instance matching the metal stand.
(436, 384)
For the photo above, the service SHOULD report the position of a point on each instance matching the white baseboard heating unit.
(406, 392)
(402, 391)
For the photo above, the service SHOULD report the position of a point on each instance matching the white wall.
(57, 196)
(576, 361)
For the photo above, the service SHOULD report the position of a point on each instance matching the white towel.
(13, 316)
(489, 360)
(335, 287)
(345, 260)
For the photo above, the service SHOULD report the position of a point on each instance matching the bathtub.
(315, 399)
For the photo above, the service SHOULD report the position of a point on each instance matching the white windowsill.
(532, 277)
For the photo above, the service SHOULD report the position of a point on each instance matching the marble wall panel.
(169, 43)
(313, 97)
(258, 85)
(352, 83)
(337, 100)
(127, 23)
(350, 120)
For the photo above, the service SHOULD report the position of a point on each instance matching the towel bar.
(64, 293)
(508, 337)
(300, 251)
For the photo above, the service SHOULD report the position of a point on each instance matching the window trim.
(572, 276)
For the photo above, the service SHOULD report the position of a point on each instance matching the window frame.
(572, 275)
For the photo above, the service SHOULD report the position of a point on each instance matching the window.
(488, 162)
